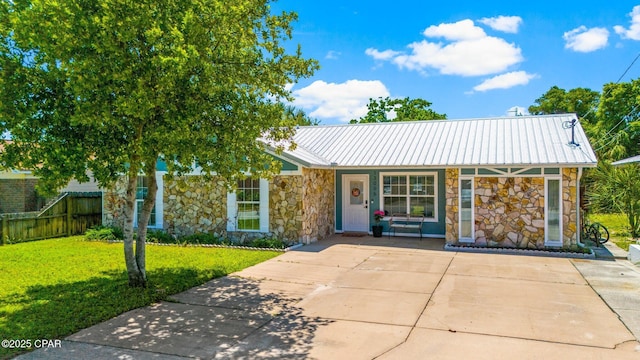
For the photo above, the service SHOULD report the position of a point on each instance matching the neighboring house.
(18, 189)
(509, 181)
(18, 192)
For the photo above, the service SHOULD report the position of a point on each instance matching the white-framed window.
(248, 206)
(142, 188)
(553, 211)
(248, 202)
(410, 193)
(467, 223)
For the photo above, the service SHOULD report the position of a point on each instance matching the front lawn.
(52, 288)
(618, 226)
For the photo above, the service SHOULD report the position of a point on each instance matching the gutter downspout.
(578, 219)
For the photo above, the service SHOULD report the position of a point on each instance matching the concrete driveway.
(366, 298)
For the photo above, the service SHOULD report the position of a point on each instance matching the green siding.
(434, 228)
(286, 165)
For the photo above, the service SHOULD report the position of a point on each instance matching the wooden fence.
(68, 215)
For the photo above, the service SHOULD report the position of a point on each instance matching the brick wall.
(19, 195)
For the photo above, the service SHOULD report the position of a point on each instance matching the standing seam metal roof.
(505, 141)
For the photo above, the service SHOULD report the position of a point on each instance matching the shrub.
(201, 238)
(269, 243)
(104, 233)
(160, 236)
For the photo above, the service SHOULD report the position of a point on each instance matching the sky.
(470, 59)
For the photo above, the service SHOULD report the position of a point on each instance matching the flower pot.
(377, 230)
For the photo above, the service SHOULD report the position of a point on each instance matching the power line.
(617, 81)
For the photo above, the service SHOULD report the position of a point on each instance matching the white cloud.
(505, 81)
(461, 30)
(585, 40)
(517, 111)
(633, 32)
(469, 51)
(381, 55)
(332, 55)
(342, 101)
(508, 24)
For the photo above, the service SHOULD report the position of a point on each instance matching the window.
(248, 202)
(466, 210)
(553, 214)
(413, 194)
(142, 188)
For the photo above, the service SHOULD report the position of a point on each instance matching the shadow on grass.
(227, 317)
(55, 311)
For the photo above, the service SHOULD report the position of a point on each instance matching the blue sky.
(470, 59)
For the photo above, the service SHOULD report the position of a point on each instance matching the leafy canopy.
(111, 85)
(405, 109)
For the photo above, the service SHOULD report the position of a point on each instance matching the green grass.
(52, 288)
(618, 226)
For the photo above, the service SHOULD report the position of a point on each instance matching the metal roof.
(505, 141)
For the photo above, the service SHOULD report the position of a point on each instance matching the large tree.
(618, 121)
(581, 101)
(110, 86)
(405, 109)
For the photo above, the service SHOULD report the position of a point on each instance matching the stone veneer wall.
(193, 204)
(285, 207)
(451, 206)
(318, 215)
(113, 203)
(509, 211)
(570, 206)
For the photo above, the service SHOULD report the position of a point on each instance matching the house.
(509, 181)
(18, 190)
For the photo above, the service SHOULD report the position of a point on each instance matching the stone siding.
(318, 215)
(570, 207)
(113, 203)
(509, 211)
(451, 207)
(193, 204)
(285, 207)
(302, 207)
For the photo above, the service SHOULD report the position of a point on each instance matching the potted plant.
(377, 228)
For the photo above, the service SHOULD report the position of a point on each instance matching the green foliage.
(618, 226)
(104, 233)
(111, 86)
(160, 236)
(268, 243)
(300, 117)
(617, 189)
(618, 126)
(610, 120)
(581, 101)
(405, 110)
(74, 291)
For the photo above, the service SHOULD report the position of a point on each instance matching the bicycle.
(595, 232)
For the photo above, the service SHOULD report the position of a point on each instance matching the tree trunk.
(145, 215)
(137, 276)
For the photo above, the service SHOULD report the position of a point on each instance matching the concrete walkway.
(368, 298)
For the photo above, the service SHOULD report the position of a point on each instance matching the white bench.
(406, 222)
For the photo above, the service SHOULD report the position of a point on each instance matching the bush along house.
(495, 182)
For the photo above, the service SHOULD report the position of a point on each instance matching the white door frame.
(347, 208)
